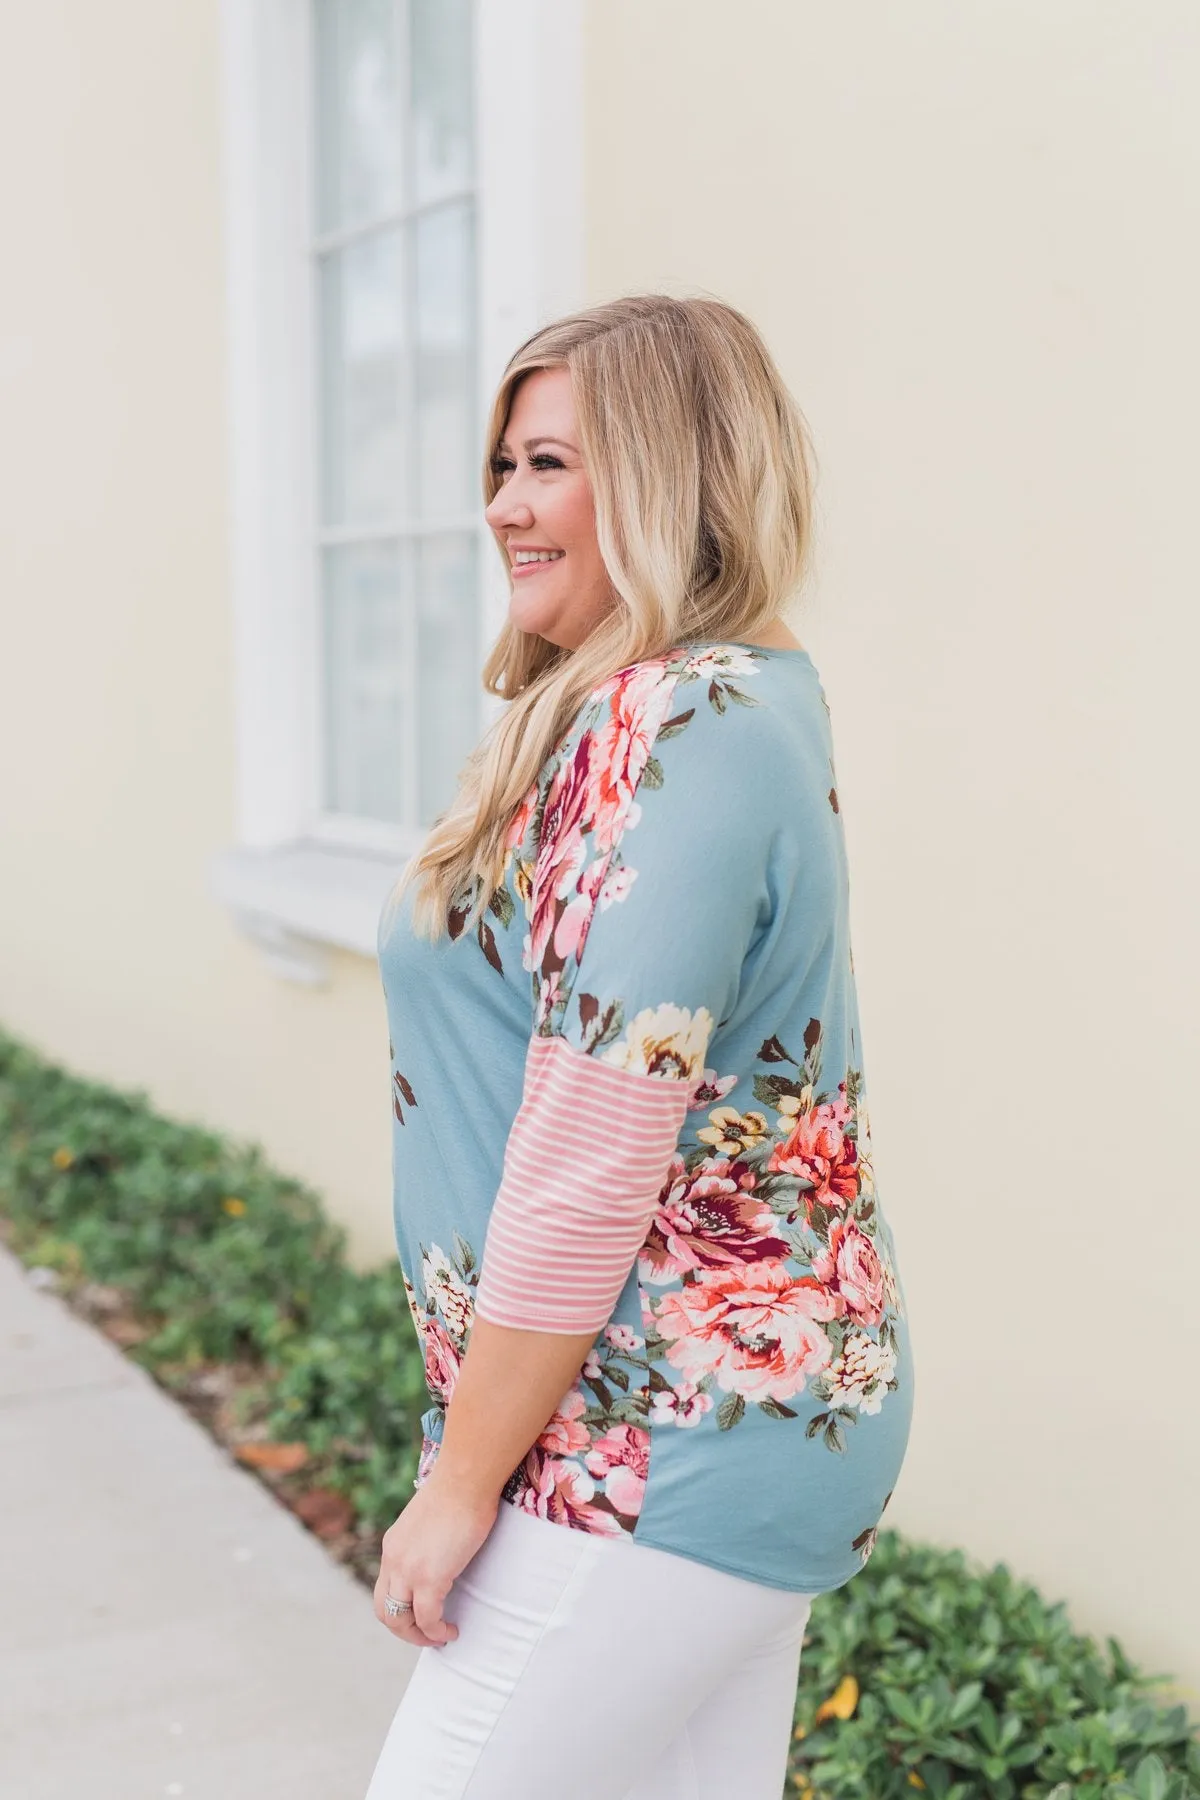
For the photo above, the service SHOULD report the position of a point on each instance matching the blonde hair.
(701, 475)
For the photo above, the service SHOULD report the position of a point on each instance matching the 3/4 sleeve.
(647, 892)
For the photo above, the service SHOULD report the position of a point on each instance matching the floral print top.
(674, 905)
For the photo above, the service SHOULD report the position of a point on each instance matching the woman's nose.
(507, 508)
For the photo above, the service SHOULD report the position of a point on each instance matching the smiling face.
(544, 518)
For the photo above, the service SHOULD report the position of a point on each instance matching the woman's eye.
(504, 465)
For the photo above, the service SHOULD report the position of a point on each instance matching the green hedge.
(924, 1674)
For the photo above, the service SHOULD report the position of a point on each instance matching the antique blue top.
(643, 1071)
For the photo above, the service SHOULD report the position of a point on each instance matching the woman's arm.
(507, 1390)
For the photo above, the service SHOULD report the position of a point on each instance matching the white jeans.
(598, 1668)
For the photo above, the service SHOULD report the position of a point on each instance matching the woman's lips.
(520, 570)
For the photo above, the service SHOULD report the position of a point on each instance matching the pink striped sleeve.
(585, 1162)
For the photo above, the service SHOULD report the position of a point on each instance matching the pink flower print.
(708, 1219)
(754, 1328)
(621, 1458)
(441, 1360)
(623, 742)
(519, 823)
(591, 1370)
(561, 851)
(576, 915)
(818, 1150)
(562, 1492)
(712, 1087)
(851, 1271)
(624, 1339)
(617, 883)
(550, 992)
(683, 1404)
(564, 1435)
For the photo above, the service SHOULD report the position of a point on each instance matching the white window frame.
(296, 880)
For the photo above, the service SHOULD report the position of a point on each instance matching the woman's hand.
(430, 1544)
(506, 1390)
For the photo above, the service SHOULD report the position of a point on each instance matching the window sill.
(297, 901)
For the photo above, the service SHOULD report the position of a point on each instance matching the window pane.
(441, 97)
(448, 454)
(365, 407)
(360, 88)
(449, 694)
(368, 664)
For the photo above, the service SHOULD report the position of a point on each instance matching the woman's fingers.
(431, 1629)
(427, 1615)
(402, 1627)
(400, 1624)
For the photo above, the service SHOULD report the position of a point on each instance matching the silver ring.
(392, 1606)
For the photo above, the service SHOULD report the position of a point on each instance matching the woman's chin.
(538, 621)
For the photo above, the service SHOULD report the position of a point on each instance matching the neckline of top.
(737, 644)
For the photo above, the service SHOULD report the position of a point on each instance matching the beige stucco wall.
(116, 698)
(970, 234)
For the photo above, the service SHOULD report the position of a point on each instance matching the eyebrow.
(532, 444)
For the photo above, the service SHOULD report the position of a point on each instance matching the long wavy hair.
(701, 472)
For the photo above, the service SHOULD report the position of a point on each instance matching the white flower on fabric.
(616, 887)
(685, 1404)
(722, 660)
(862, 1364)
(445, 1289)
(664, 1040)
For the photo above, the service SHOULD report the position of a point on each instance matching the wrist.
(454, 1480)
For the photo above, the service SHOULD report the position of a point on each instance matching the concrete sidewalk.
(166, 1627)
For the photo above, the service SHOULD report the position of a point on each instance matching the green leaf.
(672, 727)
(730, 1411)
(834, 1436)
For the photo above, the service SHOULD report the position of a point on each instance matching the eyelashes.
(500, 465)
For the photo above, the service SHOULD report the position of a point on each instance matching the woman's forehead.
(543, 406)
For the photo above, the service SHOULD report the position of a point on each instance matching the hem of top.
(549, 1328)
(732, 1568)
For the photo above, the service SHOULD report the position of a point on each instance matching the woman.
(631, 1149)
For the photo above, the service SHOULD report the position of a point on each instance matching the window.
(403, 206)
(398, 526)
